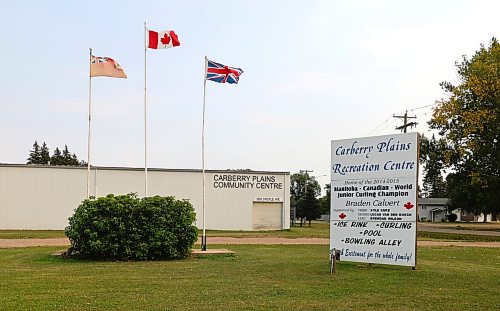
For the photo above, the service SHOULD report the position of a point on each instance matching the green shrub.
(125, 227)
(452, 217)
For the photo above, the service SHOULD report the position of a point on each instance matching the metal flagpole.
(90, 118)
(204, 237)
(145, 121)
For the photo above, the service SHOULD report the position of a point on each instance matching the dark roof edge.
(237, 171)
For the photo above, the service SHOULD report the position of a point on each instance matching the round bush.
(452, 217)
(128, 228)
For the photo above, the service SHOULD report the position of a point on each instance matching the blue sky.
(314, 71)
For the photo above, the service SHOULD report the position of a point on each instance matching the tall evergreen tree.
(299, 183)
(74, 160)
(45, 155)
(68, 158)
(41, 155)
(309, 206)
(57, 157)
(35, 156)
(432, 155)
(325, 201)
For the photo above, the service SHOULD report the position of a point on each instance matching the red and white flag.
(105, 67)
(162, 39)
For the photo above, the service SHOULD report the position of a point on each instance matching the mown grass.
(258, 277)
(31, 234)
(441, 236)
(317, 230)
(481, 226)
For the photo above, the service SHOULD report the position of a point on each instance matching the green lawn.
(31, 234)
(438, 236)
(482, 226)
(258, 277)
(317, 230)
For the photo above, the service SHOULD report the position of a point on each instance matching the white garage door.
(267, 216)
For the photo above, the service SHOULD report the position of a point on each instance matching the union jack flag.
(222, 74)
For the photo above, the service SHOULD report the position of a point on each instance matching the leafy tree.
(469, 121)
(432, 156)
(45, 155)
(469, 196)
(35, 156)
(299, 184)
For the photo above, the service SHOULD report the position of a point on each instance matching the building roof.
(231, 171)
(433, 201)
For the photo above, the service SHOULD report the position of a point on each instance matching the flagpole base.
(204, 243)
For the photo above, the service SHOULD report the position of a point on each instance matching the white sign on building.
(373, 200)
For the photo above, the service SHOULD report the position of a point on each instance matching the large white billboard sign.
(374, 199)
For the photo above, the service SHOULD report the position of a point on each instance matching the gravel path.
(11, 243)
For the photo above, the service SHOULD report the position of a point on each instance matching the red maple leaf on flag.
(342, 216)
(408, 205)
(165, 39)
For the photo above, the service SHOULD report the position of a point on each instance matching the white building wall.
(38, 197)
(480, 218)
(423, 212)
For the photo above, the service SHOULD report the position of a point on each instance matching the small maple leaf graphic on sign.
(165, 39)
(342, 216)
(408, 205)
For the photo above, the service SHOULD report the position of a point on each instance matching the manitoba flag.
(105, 67)
(162, 39)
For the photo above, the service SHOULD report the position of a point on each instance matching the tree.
(432, 156)
(309, 206)
(45, 154)
(469, 122)
(469, 196)
(300, 183)
(41, 155)
(57, 158)
(35, 156)
(325, 201)
(68, 158)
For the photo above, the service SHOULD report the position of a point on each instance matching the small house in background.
(432, 209)
(436, 209)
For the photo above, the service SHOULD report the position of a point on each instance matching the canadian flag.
(162, 39)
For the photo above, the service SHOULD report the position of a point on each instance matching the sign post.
(373, 217)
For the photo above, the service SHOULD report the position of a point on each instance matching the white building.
(432, 209)
(43, 197)
(436, 209)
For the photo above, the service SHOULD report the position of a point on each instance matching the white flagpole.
(90, 118)
(204, 237)
(145, 121)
